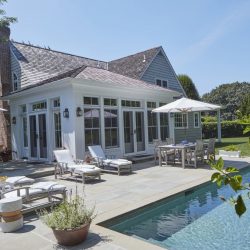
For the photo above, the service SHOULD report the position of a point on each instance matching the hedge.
(229, 129)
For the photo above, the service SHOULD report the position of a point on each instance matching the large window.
(111, 128)
(180, 120)
(152, 126)
(164, 126)
(92, 126)
(57, 122)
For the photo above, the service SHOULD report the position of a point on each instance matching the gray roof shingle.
(133, 65)
(98, 74)
(39, 64)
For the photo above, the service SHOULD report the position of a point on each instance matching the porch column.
(218, 126)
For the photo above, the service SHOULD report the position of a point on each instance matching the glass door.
(128, 131)
(134, 136)
(140, 138)
(33, 137)
(38, 136)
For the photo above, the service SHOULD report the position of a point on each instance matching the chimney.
(5, 86)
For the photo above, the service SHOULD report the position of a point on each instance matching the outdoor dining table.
(182, 147)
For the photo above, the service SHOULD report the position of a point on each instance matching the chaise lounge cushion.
(38, 188)
(19, 180)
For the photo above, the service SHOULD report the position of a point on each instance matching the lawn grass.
(242, 143)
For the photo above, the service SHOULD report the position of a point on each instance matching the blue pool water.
(197, 219)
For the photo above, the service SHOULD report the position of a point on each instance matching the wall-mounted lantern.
(78, 111)
(66, 113)
(171, 114)
(13, 120)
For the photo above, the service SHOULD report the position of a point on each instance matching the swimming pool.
(195, 219)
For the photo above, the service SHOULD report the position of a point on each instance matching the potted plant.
(6, 154)
(230, 151)
(70, 221)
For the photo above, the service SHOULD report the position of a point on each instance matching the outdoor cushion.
(19, 180)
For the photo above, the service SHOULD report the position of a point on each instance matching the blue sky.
(207, 39)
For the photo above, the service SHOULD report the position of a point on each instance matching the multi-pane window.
(90, 100)
(151, 105)
(39, 106)
(132, 104)
(57, 123)
(110, 102)
(92, 126)
(164, 126)
(196, 120)
(152, 126)
(111, 128)
(15, 82)
(56, 103)
(180, 120)
(161, 83)
(57, 130)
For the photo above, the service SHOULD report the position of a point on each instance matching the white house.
(61, 100)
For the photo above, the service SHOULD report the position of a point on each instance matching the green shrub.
(229, 129)
(68, 215)
(231, 148)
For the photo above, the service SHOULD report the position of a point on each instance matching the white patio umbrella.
(186, 105)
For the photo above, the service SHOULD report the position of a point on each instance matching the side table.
(11, 218)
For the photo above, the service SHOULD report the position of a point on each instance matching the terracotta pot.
(73, 236)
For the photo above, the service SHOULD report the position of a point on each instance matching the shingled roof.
(133, 65)
(98, 74)
(40, 64)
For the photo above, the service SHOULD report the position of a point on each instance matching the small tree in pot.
(70, 221)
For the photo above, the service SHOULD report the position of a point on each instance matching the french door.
(134, 135)
(38, 136)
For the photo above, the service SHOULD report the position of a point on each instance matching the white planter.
(229, 153)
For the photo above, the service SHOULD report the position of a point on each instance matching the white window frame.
(92, 106)
(161, 79)
(197, 113)
(182, 114)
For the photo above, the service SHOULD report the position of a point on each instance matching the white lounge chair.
(66, 164)
(11, 182)
(37, 191)
(121, 165)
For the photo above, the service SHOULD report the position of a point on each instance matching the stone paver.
(112, 196)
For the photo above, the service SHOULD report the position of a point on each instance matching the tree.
(5, 21)
(229, 96)
(245, 105)
(189, 87)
